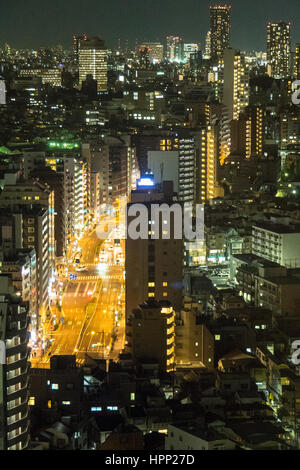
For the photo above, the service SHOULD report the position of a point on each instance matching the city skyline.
(26, 26)
(150, 227)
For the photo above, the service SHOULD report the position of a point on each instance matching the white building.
(277, 242)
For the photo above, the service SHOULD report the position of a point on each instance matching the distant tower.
(220, 29)
(175, 49)
(93, 61)
(297, 62)
(235, 96)
(76, 46)
(279, 49)
(208, 45)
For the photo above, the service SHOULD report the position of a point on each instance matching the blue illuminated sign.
(146, 181)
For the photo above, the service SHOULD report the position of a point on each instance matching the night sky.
(35, 23)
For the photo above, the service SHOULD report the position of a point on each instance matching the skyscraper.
(220, 29)
(175, 49)
(76, 46)
(207, 54)
(297, 62)
(235, 94)
(155, 49)
(279, 49)
(93, 61)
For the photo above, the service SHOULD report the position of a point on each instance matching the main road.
(91, 323)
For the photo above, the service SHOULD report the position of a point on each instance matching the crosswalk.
(86, 278)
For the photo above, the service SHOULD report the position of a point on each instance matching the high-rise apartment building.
(32, 206)
(208, 161)
(247, 133)
(14, 373)
(21, 266)
(220, 29)
(154, 266)
(51, 76)
(93, 61)
(279, 49)
(235, 92)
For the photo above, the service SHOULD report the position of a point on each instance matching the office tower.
(48, 76)
(247, 133)
(154, 267)
(236, 83)
(220, 29)
(208, 45)
(155, 51)
(93, 61)
(150, 334)
(14, 374)
(279, 49)
(144, 57)
(175, 49)
(76, 46)
(190, 50)
(297, 62)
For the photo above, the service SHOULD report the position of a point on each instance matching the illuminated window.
(165, 294)
(165, 284)
(31, 401)
(49, 404)
(151, 294)
(54, 387)
(112, 408)
(217, 337)
(67, 403)
(132, 396)
(151, 284)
